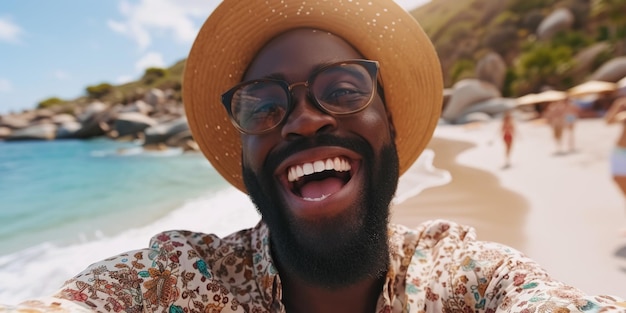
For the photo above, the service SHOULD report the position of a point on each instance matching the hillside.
(465, 31)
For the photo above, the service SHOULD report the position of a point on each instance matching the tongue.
(319, 188)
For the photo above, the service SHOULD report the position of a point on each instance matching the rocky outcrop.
(466, 93)
(158, 121)
(611, 71)
(560, 20)
(492, 69)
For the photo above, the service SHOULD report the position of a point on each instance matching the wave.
(40, 270)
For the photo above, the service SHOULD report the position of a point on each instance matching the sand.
(562, 210)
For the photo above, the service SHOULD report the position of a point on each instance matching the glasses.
(260, 105)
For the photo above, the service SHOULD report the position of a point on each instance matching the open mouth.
(316, 181)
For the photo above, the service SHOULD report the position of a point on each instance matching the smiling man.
(314, 110)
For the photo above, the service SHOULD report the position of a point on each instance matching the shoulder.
(177, 265)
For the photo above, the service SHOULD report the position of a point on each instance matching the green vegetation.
(50, 102)
(463, 31)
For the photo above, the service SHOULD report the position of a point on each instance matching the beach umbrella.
(545, 96)
(592, 87)
(528, 99)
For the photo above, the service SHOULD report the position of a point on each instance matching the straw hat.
(379, 29)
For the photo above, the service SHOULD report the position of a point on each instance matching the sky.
(58, 48)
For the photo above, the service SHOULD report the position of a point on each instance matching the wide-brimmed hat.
(380, 30)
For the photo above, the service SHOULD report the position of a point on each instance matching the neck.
(301, 297)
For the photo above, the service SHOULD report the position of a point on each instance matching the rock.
(14, 122)
(90, 111)
(492, 106)
(560, 20)
(474, 117)
(492, 69)
(4, 132)
(63, 118)
(465, 93)
(165, 131)
(154, 97)
(35, 132)
(131, 123)
(611, 71)
(583, 60)
(68, 129)
(138, 106)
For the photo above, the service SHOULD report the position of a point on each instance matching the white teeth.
(319, 166)
(316, 199)
(296, 172)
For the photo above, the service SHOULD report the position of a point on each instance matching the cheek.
(375, 125)
(253, 152)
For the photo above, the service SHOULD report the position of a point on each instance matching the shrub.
(99, 91)
(152, 74)
(50, 102)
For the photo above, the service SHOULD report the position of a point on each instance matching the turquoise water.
(64, 192)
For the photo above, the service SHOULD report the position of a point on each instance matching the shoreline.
(562, 210)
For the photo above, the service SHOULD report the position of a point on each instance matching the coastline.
(561, 210)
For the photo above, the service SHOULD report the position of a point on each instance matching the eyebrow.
(281, 76)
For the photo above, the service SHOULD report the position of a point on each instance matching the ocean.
(68, 203)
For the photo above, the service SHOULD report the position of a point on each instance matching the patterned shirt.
(437, 267)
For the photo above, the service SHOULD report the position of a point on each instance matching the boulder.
(63, 118)
(4, 132)
(163, 133)
(611, 71)
(68, 129)
(474, 117)
(131, 123)
(492, 106)
(583, 60)
(154, 97)
(492, 69)
(13, 121)
(560, 20)
(34, 132)
(90, 111)
(138, 106)
(465, 93)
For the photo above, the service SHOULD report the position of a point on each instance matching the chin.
(336, 250)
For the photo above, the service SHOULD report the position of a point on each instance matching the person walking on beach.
(561, 116)
(507, 130)
(316, 123)
(614, 115)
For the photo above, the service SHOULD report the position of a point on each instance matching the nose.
(306, 119)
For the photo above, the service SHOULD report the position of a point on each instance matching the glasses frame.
(371, 66)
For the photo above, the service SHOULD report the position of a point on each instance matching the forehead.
(296, 52)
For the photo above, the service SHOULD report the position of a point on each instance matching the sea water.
(68, 203)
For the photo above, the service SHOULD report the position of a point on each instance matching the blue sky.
(58, 48)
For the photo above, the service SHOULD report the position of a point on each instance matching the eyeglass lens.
(338, 89)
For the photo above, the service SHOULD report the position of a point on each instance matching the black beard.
(336, 252)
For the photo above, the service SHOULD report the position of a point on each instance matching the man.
(323, 106)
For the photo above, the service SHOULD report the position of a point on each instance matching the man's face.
(329, 226)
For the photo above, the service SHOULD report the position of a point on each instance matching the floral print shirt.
(437, 267)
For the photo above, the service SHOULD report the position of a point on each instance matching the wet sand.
(474, 197)
(562, 210)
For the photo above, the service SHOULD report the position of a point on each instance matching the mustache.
(275, 157)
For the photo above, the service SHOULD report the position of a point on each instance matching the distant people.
(508, 132)
(562, 116)
(617, 114)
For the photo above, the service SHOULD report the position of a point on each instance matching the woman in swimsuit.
(507, 130)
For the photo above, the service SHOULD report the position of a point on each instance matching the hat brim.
(380, 30)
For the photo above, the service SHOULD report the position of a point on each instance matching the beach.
(561, 210)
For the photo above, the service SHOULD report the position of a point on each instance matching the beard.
(337, 251)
